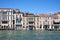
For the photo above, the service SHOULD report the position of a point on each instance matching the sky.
(32, 6)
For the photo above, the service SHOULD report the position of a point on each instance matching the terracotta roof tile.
(44, 15)
(54, 16)
(29, 15)
(56, 13)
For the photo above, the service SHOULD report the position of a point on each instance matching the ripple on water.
(29, 35)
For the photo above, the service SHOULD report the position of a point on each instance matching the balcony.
(56, 22)
(18, 22)
(4, 23)
(30, 24)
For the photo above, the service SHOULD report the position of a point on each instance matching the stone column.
(50, 27)
(53, 27)
(59, 26)
(42, 26)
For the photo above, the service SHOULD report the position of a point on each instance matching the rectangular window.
(18, 19)
(30, 18)
(4, 15)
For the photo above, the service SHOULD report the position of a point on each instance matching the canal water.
(29, 35)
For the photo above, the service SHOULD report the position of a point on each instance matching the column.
(59, 26)
(42, 26)
(53, 27)
(50, 27)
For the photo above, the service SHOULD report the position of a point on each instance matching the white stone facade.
(14, 19)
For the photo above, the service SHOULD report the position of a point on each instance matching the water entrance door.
(30, 27)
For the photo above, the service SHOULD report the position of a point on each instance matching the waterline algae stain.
(29, 35)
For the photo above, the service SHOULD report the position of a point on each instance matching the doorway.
(31, 27)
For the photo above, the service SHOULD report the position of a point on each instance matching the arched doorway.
(30, 27)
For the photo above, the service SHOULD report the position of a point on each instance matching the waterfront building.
(31, 21)
(18, 19)
(28, 21)
(45, 21)
(56, 20)
(6, 18)
(15, 19)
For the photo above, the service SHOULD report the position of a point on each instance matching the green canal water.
(29, 35)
